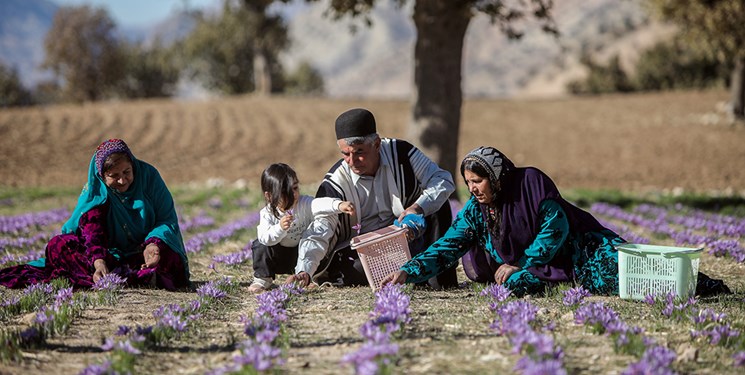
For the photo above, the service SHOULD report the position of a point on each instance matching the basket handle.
(665, 254)
(632, 251)
(682, 252)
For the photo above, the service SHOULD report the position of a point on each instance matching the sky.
(146, 13)
(139, 13)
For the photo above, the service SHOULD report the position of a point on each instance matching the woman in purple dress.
(124, 222)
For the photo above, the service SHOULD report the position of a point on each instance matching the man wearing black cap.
(386, 179)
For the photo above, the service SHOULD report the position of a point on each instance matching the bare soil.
(626, 142)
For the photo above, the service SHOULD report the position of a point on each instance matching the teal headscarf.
(144, 211)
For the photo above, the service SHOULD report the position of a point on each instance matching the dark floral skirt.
(65, 258)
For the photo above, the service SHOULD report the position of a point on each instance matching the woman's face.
(120, 176)
(479, 187)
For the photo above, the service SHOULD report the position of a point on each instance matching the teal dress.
(593, 253)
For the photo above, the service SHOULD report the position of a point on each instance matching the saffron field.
(662, 169)
(219, 327)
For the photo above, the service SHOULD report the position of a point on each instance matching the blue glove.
(414, 222)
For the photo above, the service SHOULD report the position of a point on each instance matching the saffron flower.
(528, 366)
(96, 369)
(739, 358)
(260, 356)
(110, 282)
(357, 228)
(498, 292)
(575, 296)
(655, 360)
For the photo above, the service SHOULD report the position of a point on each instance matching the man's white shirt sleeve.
(437, 183)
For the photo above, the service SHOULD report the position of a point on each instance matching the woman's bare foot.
(256, 289)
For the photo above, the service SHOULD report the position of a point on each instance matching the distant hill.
(377, 61)
(23, 25)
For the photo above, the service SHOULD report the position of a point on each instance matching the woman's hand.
(151, 255)
(301, 278)
(100, 269)
(286, 221)
(504, 272)
(396, 277)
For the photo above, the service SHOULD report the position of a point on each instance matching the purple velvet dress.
(71, 256)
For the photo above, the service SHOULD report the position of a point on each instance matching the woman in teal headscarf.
(125, 222)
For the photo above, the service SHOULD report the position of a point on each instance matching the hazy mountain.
(376, 61)
(23, 25)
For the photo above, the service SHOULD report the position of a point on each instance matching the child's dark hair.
(278, 180)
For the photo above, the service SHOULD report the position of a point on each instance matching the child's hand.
(347, 207)
(286, 221)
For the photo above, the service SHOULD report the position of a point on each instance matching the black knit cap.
(357, 122)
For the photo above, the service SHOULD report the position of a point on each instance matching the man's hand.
(396, 277)
(301, 279)
(504, 272)
(101, 269)
(413, 209)
(151, 255)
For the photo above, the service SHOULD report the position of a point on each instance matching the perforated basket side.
(380, 258)
(643, 274)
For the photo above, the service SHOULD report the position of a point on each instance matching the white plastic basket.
(381, 252)
(651, 269)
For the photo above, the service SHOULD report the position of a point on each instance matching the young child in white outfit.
(282, 221)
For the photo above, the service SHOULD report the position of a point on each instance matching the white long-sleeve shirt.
(270, 231)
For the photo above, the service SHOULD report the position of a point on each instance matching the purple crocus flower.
(122, 331)
(44, 316)
(12, 300)
(127, 347)
(260, 356)
(575, 296)
(110, 282)
(97, 369)
(210, 291)
(739, 358)
(357, 228)
(144, 331)
(38, 288)
(655, 360)
(368, 358)
(168, 319)
(528, 366)
(498, 292)
(108, 344)
(215, 203)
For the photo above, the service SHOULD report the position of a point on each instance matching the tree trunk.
(262, 72)
(738, 88)
(435, 123)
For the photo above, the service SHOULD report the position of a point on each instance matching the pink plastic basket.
(382, 251)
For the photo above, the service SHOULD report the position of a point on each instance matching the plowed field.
(629, 142)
